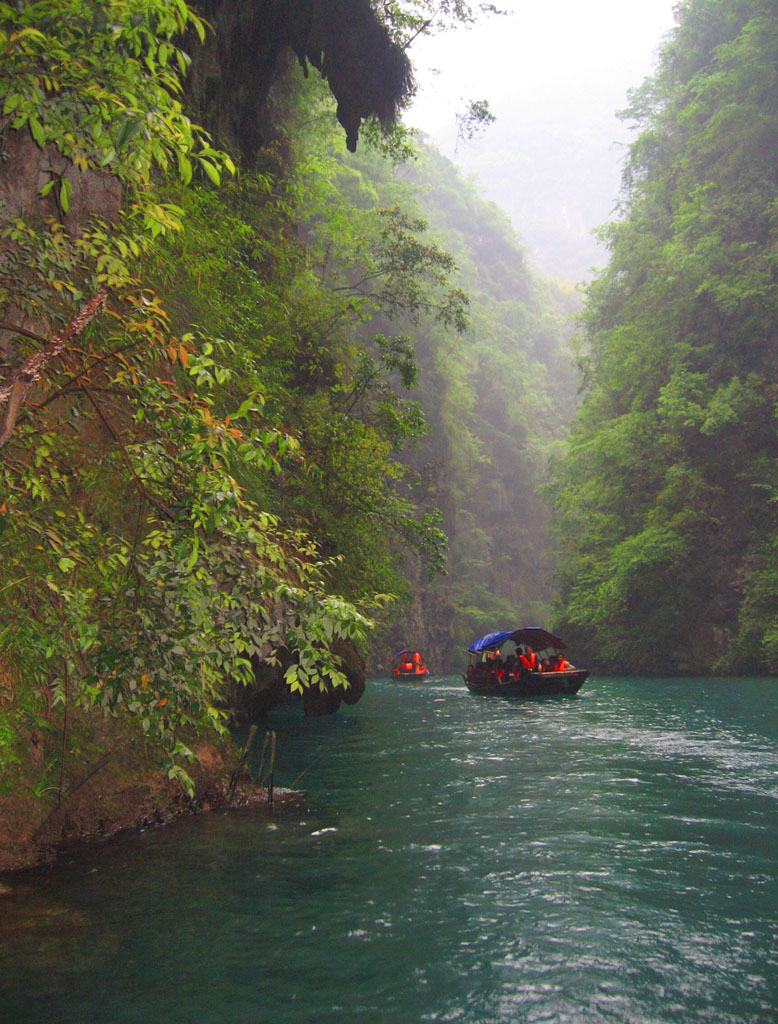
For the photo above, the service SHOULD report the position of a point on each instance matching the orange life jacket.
(530, 661)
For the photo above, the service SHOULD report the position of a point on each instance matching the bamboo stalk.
(262, 759)
(241, 762)
(272, 765)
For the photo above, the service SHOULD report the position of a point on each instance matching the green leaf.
(211, 171)
(193, 556)
(37, 131)
(129, 129)
(65, 193)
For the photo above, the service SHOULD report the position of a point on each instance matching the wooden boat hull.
(410, 675)
(531, 684)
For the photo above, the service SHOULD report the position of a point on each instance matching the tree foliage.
(664, 498)
(496, 397)
(142, 571)
(408, 19)
(217, 455)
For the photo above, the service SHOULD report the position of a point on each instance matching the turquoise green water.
(610, 857)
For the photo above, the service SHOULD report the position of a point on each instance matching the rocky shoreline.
(113, 802)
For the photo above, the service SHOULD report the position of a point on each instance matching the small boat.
(534, 664)
(410, 664)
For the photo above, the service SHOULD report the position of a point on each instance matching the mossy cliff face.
(231, 76)
(108, 780)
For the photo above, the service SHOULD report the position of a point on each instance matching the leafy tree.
(344, 269)
(408, 19)
(663, 498)
(496, 396)
(139, 574)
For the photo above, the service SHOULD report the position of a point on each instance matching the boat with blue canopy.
(524, 662)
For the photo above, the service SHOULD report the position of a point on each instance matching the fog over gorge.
(555, 77)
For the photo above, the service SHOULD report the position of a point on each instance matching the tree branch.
(15, 389)
(6, 325)
(141, 487)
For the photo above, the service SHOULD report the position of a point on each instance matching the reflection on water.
(606, 857)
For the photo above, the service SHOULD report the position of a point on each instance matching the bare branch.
(16, 388)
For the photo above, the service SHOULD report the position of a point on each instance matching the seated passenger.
(561, 664)
(528, 659)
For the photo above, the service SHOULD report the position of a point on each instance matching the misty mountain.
(553, 164)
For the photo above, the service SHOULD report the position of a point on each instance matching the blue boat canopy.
(532, 636)
(405, 650)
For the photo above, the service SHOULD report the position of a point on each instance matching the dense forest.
(278, 386)
(496, 397)
(666, 525)
(281, 393)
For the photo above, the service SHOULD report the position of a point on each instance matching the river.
(608, 857)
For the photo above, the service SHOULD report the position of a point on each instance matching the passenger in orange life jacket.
(528, 659)
(561, 664)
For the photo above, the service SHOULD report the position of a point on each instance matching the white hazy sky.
(551, 47)
(555, 72)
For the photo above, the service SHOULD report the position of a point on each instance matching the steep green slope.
(496, 397)
(241, 396)
(419, 369)
(502, 398)
(666, 518)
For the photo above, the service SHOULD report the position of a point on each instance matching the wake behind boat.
(524, 662)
